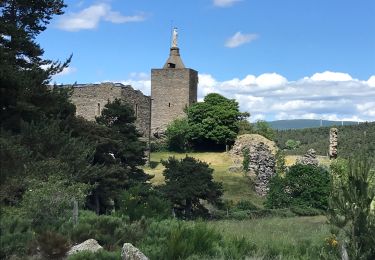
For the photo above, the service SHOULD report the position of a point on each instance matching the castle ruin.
(173, 88)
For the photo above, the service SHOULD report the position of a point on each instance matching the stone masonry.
(172, 90)
(333, 143)
(90, 100)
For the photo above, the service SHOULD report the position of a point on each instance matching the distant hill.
(351, 139)
(306, 123)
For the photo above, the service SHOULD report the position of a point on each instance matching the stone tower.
(173, 88)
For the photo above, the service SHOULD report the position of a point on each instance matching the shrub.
(15, 235)
(305, 211)
(138, 202)
(277, 196)
(177, 135)
(238, 248)
(48, 203)
(246, 159)
(100, 255)
(53, 245)
(350, 208)
(246, 205)
(110, 231)
(305, 186)
(181, 240)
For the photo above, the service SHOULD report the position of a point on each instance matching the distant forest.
(351, 140)
(306, 123)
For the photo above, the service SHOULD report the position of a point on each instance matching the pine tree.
(24, 74)
(350, 209)
(187, 182)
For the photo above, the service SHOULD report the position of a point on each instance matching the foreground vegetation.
(65, 180)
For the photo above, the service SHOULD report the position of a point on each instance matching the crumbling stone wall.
(309, 158)
(333, 143)
(90, 100)
(262, 163)
(172, 90)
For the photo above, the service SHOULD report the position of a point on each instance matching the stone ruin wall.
(172, 90)
(333, 143)
(90, 100)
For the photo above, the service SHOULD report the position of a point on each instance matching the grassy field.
(285, 236)
(236, 185)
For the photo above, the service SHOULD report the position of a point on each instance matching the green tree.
(187, 181)
(24, 74)
(178, 135)
(244, 127)
(291, 144)
(350, 208)
(214, 122)
(303, 186)
(264, 129)
(117, 157)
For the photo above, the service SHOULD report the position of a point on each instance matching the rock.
(309, 158)
(89, 245)
(130, 252)
(249, 141)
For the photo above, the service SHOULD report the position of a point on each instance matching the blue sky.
(279, 59)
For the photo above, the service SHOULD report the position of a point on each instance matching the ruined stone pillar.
(333, 143)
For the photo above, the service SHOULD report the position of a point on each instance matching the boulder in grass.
(130, 252)
(90, 245)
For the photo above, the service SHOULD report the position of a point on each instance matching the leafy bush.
(140, 201)
(304, 211)
(178, 135)
(246, 205)
(100, 255)
(15, 235)
(305, 186)
(277, 196)
(246, 159)
(110, 231)
(48, 203)
(53, 245)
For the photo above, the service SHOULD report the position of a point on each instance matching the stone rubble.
(333, 143)
(89, 245)
(308, 158)
(130, 252)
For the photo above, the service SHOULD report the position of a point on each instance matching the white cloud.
(90, 17)
(371, 81)
(239, 39)
(331, 76)
(224, 3)
(271, 96)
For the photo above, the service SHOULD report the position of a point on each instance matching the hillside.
(306, 123)
(351, 139)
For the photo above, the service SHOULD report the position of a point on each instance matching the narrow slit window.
(169, 104)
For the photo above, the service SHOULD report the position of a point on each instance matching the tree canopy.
(187, 181)
(210, 124)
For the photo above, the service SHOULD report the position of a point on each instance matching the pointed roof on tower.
(174, 60)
